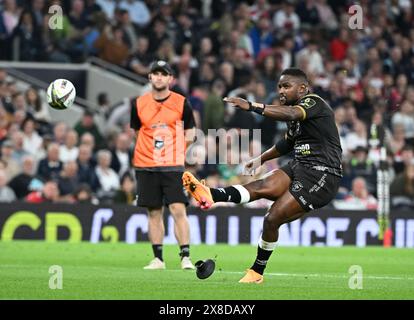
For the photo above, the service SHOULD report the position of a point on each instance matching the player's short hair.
(297, 73)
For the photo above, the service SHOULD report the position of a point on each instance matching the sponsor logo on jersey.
(158, 144)
(297, 186)
(308, 103)
(303, 149)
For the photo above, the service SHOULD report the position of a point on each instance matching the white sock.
(269, 246)
(244, 194)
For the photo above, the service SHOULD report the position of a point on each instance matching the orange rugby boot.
(198, 190)
(252, 277)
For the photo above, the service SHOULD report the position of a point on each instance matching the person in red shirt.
(339, 46)
(49, 193)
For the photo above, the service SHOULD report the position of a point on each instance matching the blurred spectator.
(6, 193)
(121, 154)
(403, 158)
(107, 6)
(286, 20)
(36, 106)
(140, 14)
(141, 59)
(49, 193)
(19, 101)
(214, 107)
(18, 147)
(398, 139)
(261, 34)
(11, 12)
(50, 167)
(326, 15)
(111, 46)
(89, 140)
(128, 29)
(26, 181)
(69, 151)
(339, 45)
(126, 194)
(108, 179)
(83, 194)
(269, 73)
(13, 167)
(38, 9)
(60, 130)
(87, 124)
(356, 138)
(157, 34)
(310, 59)
(402, 189)
(103, 104)
(27, 39)
(405, 117)
(68, 179)
(32, 141)
(361, 166)
(86, 167)
(226, 73)
(308, 13)
(359, 198)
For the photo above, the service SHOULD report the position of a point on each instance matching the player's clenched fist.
(251, 166)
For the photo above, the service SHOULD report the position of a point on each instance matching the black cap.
(161, 65)
(205, 268)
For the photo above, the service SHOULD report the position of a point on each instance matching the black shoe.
(205, 268)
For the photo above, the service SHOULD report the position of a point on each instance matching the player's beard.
(284, 100)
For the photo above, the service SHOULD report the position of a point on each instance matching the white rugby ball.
(61, 94)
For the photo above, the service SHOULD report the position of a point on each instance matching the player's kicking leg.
(270, 187)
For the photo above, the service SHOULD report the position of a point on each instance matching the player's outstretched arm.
(276, 112)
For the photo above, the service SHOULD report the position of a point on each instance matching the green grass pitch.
(114, 271)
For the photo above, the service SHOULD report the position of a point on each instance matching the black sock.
(157, 249)
(184, 251)
(229, 194)
(261, 260)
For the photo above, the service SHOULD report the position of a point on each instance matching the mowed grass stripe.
(114, 271)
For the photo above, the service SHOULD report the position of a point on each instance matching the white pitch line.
(317, 275)
(273, 274)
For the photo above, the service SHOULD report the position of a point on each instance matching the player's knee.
(273, 219)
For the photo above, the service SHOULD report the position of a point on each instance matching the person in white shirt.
(69, 151)
(359, 198)
(286, 20)
(313, 58)
(32, 141)
(356, 138)
(405, 117)
(107, 177)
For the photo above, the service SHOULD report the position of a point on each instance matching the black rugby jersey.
(315, 138)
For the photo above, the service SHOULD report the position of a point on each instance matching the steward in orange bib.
(162, 119)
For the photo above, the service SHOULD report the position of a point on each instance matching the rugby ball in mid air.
(61, 94)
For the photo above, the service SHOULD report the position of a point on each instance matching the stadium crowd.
(217, 48)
